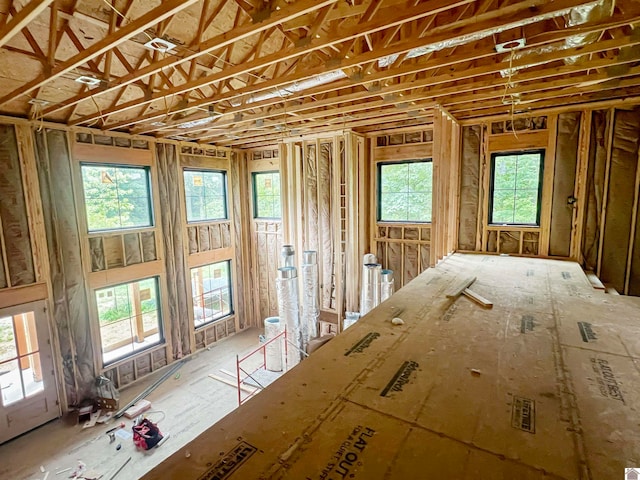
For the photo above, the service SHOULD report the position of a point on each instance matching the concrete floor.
(186, 405)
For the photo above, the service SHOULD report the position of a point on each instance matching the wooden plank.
(24, 17)
(404, 152)
(508, 142)
(595, 281)
(234, 384)
(89, 153)
(476, 297)
(547, 185)
(13, 296)
(457, 290)
(580, 187)
(106, 278)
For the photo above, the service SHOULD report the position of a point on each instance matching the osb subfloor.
(187, 403)
(545, 385)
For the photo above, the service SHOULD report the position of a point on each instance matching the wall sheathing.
(47, 254)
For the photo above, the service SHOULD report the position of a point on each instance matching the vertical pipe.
(287, 256)
(287, 288)
(386, 284)
(310, 310)
(273, 351)
(368, 258)
(370, 288)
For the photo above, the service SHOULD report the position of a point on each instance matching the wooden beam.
(25, 16)
(166, 9)
(208, 46)
(386, 74)
(277, 57)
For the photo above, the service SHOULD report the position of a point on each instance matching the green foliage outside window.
(516, 188)
(205, 195)
(116, 197)
(266, 191)
(405, 193)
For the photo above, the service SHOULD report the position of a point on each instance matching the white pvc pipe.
(274, 351)
(370, 297)
(287, 289)
(386, 284)
(310, 309)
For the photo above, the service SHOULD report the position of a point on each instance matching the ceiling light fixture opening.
(160, 45)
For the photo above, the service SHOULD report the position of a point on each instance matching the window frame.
(379, 166)
(225, 194)
(147, 171)
(255, 196)
(231, 296)
(161, 327)
(494, 155)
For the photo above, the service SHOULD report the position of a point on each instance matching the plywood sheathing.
(513, 392)
(70, 308)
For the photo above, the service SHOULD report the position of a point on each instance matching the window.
(211, 287)
(266, 195)
(20, 367)
(116, 197)
(516, 188)
(129, 318)
(404, 191)
(206, 195)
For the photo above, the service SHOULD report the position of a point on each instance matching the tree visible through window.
(516, 188)
(266, 195)
(205, 195)
(211, 287)
(129, 318)
(116, 197)
(405, 191)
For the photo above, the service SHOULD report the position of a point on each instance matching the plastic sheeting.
(169, 176)
(13, 214)
(386, 284)
(370, 298)
(70, 310)
(310, 310)
(274, 351)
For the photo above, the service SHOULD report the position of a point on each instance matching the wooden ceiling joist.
(249, 73)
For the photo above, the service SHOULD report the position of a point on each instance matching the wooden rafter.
(22, 18)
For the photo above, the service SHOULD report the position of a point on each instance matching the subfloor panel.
(543, 385)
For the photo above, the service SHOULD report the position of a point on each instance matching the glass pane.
(516, 188)
(129, 318)
(10, 382)
(419, 207)
(405, 191)
(526, 206)
(267, 194)
(394, 178)
(503, 206)
(32, 374)
(528, 172)
(505, 172)
(26, 334)
(116, 197)
(7, 340)
(211, 292)
(205, 195)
